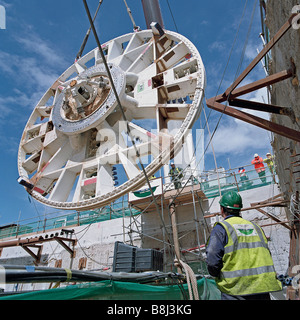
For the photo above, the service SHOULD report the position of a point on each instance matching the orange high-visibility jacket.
(258, 164)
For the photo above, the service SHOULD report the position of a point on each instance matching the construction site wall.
(285, 55)
(94, 249)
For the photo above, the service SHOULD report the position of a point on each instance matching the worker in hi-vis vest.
(176, 175)
(238, 255)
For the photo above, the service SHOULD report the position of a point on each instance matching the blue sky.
(42, 39)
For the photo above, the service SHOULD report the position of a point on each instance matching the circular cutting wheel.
(76, 139)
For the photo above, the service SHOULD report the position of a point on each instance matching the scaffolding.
(181, 225)
(176, 234)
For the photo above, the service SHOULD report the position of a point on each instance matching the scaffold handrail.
(229, 179)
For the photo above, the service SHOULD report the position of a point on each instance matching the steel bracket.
(35, 256)
(231, 94)
(61, 241)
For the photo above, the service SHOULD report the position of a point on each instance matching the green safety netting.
(115, 290)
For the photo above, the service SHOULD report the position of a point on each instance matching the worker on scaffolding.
(270, 163)
(258, 163)
(244, 177)
(238, 255)
(176, 175)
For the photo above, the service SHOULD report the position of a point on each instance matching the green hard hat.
(231, 200)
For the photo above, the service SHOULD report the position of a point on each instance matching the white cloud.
(218, 45)
(251, 52)
(28, 72)
(235, 136)
(238, 137)
(34, 44)
(42, 76)
(10, 144)
(6, 4)
(9, 104)
(32, 73)
(260, 95)
(31, 80)
(204, 23)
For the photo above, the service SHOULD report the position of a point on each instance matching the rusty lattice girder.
(231, 94)
(35, 242)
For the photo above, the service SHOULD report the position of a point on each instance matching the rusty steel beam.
(232, 92)
(253, 105)
(213, 103)
(32, 242)
(262, 53)
(253, 86)
(36, 257)
(254, 120)
(65, 246)
(274, 218)
(274, 203)
(274, 78)
(275, 223)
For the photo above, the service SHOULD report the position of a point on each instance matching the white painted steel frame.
(158, 79)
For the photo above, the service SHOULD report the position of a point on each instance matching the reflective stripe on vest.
(248, 272)
(247, 263)
(242, 245)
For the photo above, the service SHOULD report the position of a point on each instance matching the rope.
(239, 66)
(230, 54)
(219, 120)
(223, 75)
(135, 27)
(246, 42)
(190, 277)
(294, 206)
(213, 150)
(172, 16)
(79, 54)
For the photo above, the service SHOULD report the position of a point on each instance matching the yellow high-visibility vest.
(247, 263)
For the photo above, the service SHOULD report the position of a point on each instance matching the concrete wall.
(285, 93)
(95, 243)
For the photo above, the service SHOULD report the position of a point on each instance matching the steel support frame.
(37, 256)
(272, 201)
(27, 244)
(233, 92)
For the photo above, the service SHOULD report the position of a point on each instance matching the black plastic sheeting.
(25, 274)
